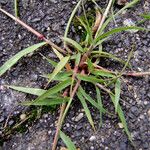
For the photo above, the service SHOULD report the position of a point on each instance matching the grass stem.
(39, 35)
(104, 17)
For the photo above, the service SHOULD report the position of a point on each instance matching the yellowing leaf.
(117, 93)
(74, 44)
(59, 67)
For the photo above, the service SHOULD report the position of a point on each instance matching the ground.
(50, 17)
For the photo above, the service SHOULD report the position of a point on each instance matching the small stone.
(129, 22)
(92, 138)
(67, 125)
(3, 2)
(120, 125)
(49, 132)
(121, 2)
(23, 116)
(92, 148)
(36, 19)
(79, 117)
(45, 116)
(11, 122)
(148, 112)
(1, 119)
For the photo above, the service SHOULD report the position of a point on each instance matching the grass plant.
(79, 62)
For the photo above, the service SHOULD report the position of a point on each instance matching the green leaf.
(122, 118)
(146, 16)
(57, 88)
(102, 73)
(90, 65)
(131, 4)
(90, 100)
(87, 28)
(32, 91)
(74, 43)
(58, 54)
(16, 7)
(100, 42)
(19, 55)
(59, 67)
(62, 76)
(117, 30)
(70, 145)
(100, 104)
(117, 93)
(46, 102)
(53, 63)
(77, 58)
(71, 18)
(86, 109)
(89, 78)
(107, 55)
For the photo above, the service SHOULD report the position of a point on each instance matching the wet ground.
(50, 17)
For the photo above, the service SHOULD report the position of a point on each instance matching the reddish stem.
(39, 35)
(59, 124)
(136, 74)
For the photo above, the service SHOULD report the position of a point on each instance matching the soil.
(50, 18)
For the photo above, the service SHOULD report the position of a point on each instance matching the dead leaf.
(97, 21)
(121, 2)
(63, 148)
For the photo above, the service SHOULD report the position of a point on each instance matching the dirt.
(50, 17)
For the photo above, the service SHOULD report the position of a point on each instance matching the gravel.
(50, 17)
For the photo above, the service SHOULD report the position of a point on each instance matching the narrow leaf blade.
(102, 73)
(117, 93)
(70, 145)
(86, 109)
(57, 88)
(46, 102)
(90, 99)
(74, 43)
(117, 30)
(33, 91)
(59, 67)
(122, 118)
(100, 104)
(13, 60)
(90, 78)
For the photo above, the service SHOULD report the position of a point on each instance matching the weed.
(84, 59)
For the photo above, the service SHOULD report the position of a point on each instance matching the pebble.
(148, 113)
(92, 138)
(2, 119)
(120, 125)
(36, 19)
(79, 117)
(11, 122)
(23, 116)
(92, 148)
(129, 22)
(3, 2)
(67, 125)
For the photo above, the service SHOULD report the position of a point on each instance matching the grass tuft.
(79, 62)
